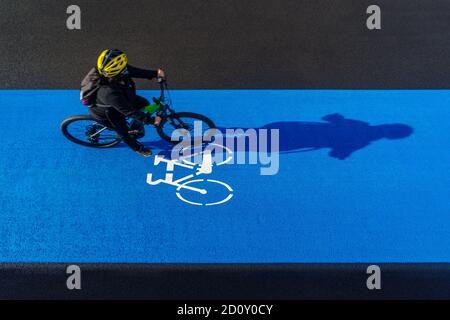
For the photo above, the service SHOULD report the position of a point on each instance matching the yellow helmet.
(111, 62)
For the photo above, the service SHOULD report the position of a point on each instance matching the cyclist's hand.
(152, 120)
(157, 120)
(161, 74)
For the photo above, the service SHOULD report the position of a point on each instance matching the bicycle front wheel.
(195, 124)
(86, 131)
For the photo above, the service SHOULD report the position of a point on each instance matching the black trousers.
(117, 121)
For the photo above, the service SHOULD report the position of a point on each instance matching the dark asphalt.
(224, 281)
(233, 43)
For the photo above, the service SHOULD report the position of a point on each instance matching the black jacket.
(120, 94)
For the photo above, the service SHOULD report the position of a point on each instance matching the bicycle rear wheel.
(196, 124)
(86, 131)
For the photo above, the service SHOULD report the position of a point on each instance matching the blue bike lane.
(371, 200)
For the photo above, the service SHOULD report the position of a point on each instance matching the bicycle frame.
(165, 111)
(164, 106)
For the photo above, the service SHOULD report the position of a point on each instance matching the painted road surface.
(343, 193)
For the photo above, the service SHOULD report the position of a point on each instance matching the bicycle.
(85, 130)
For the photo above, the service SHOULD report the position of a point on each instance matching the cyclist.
(116, 97)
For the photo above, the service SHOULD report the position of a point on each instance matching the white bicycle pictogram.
(186, 183)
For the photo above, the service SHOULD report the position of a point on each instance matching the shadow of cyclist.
(343, 136)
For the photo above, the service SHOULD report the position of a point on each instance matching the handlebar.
(163, 86)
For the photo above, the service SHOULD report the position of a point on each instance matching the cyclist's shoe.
(145, 152)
